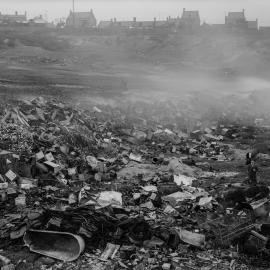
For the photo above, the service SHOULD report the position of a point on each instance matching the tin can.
(72, 198)
(3, 196)
(20, 200)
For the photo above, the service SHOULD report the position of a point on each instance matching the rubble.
(136, 191)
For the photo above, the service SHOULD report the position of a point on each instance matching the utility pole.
(73, 12)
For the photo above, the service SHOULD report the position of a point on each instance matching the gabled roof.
(82, 15)
(190, 14)
(236, 15)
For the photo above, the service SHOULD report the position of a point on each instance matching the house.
(105, 24)
(190, 19)
(127, 24)
(81, 19)
(134, 24)
(236, 19)
(252, 25)
(38, 21)
(13, 18)
(151, 24)
(146, 24)
(114, 23)
(265, 30)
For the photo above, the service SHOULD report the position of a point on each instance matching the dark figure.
(234, 197)
(252, 173)
(248, 158)
(257, 192)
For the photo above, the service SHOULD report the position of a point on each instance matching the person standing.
(252, 173)
(248, 158)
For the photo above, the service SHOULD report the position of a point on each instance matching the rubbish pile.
(109, 188)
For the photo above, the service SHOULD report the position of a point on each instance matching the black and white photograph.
(134, 134)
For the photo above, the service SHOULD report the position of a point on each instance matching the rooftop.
(187, 14)
(236, 15)
(82, 15)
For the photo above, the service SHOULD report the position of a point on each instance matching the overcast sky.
(211, 11)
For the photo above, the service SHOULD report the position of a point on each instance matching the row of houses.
(16, 18)
(188, 19)
(88, 19)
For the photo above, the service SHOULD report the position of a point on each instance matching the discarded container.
(150, 188)
(166, 266)
(40, 155)
(3, 196)
(135, 157)
(11, 175)
(53, 166)
(27, 183)
(183, 180)
(20, 200)
(49, 157)
(153, 243)
(110, 198)
(178, 197)
(109, 252)
(92, 161)
(72, 198)
(58, 245)
(205, 201)
(194, 239)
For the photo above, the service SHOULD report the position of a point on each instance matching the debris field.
(134, 186)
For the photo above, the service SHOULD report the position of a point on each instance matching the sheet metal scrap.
(231, 227)
(95, 221)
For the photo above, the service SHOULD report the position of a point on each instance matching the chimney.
(169, 18)
(134, 19)
(184, 10)
(16, 12)
(114, 20)
(25, 14)
(243, 10)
